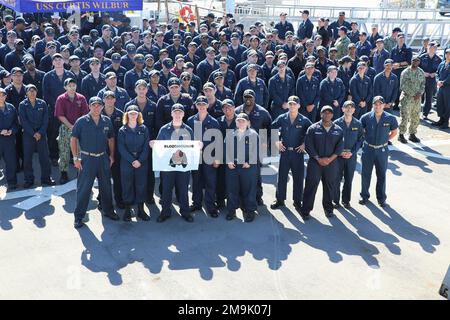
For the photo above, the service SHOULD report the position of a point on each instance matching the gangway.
(416, 23)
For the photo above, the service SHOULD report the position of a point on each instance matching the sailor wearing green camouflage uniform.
(412, 86)
(342, 43)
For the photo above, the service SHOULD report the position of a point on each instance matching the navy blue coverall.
(34, 118)
(177, 179)
(93, 139)
(292, 135)
(375, 152)
(321, 143)
(9, 121)
(133, 145)
(241, 183)
(353, 139)
(206, 175)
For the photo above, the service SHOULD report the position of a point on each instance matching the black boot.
(127, 214)
(64, 177)
(413, 138)
(141, 213)
(402, 138)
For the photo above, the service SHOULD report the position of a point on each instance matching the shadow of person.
(335, 240)
(38, 214)
(9, 214)
(368, 230)
(204, 245)
(224, 242)
(98, 256)
(403, 228)
(409, 161)
(436, 160)
(273, 240)
(70, 201)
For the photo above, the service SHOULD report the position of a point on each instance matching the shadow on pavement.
(403, 228)
(204, 245)
(334, 240)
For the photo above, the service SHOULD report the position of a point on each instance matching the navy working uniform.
(120, 73)
(164, 107)
(206, 175)
(280, 90)
(429, 65)
(155, 95)
(386, 87)
(221, 181)
(91, 86)
(34, 118)
(131, 77)
(398, 55)
(259, 119)
(177, 179)
(443, 95)
(361, 91)
(259, 87)
(321, 143)
(116, 120)
(330, 91)
(9, 121)
(133, 145)
(241, 148)
(353, 139)
(292, 135)
(376, 152)
(93, 140)
(148, 114)
(308, 90)
(121, 95)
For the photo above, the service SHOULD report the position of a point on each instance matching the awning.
(31, 6)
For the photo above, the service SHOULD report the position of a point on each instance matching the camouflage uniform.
(64, 147)
(412, 82)
(342, 47)
(389, 43)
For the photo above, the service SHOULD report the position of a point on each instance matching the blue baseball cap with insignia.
(95, 100)
(173, 82)
(201, 100)
(177, 107)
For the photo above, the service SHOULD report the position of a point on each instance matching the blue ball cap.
(173, 82)
(95, 100)
(201, 100)
(242, 116)
(141, 82)
(249, 92)
(115, 57)
(177, 107)
(294, 99)
(153, 73)
(16, 70)
(132, 108)
(168, 63)
(252, 66)
(377, 99)
(326, 108)
(228, 102)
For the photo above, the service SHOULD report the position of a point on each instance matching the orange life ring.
(186, 14)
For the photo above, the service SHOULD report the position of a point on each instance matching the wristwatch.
(76, 158)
